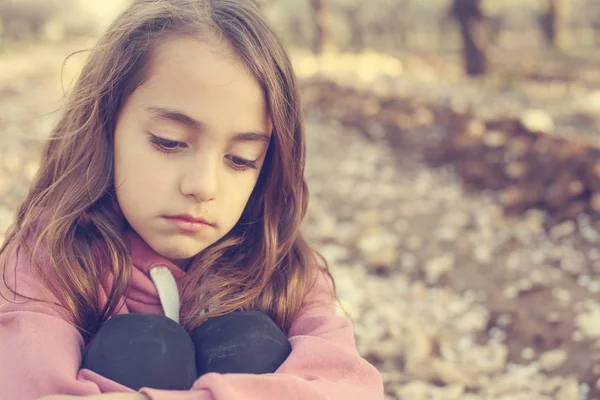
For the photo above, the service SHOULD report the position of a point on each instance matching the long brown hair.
(263, 263)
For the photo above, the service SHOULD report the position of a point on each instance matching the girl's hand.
(107, 396)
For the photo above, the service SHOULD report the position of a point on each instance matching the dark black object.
(147, 350)
(240, 342)
(143, 350)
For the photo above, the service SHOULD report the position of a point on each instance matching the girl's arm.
(324, 363)
(40, 349)
(40, 354)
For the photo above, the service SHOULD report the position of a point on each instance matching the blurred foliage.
(55, 20)
(391, 25)
(386, 25)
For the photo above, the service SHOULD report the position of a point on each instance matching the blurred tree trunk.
(596, 28)
(553, 22)
(474, 30)
(357, 40)
(398, 24)
(320, 10)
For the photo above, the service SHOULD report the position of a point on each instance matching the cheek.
(139, 188)
(138, 172)
(239, 195)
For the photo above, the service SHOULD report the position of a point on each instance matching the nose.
(200, 178)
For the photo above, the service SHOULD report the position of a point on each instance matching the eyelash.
(170, 146)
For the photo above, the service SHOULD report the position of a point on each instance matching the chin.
(178, 254)
(182, 253)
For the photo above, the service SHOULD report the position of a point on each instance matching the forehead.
(204, 78)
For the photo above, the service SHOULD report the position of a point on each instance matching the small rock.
(534, 221)
(527, 353)
(450, 373)
(451, 392)
(483, 255)
(346, 234)
(368, 217)
(553, 359)
(524, 285)
(494, 139)
(369, 243)
(418, 291)
(584, 280)
(326, 226)
(589, 234)
(476, 128)
(387, 349)
(418, 347)
(553, 316)
(516, 170)
(537, 277)
(497, 335)
(424, 116)
(446, 233)
(408, 261)
(563, 230)
(589, 324)
(504, 320)
(414, 243)
(577, 336)
(594, 287)
(569, 390)
(414, 390)
(488, 360)
(594, 254)
(561, 294)
(437, 267)
(382, 261)
(472, 321)
(537, 121)
(334, 252)
(511, 292)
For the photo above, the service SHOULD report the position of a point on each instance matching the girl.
(175, 178)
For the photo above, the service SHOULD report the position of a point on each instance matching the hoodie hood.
(154, 282)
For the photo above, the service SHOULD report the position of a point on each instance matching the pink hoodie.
(40, 350)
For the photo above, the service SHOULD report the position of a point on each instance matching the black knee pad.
(143, 350)
(240, 342)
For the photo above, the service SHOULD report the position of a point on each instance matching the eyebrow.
(184, 119)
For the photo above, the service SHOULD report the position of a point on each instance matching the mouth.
(190, 218)
(189, 223)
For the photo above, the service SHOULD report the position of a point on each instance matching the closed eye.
(165, 145)
(241, 164)
(171, 146)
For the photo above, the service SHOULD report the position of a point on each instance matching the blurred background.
(454, 171)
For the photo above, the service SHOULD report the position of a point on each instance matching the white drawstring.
(167, 291)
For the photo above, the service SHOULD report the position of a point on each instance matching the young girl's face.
(190, 141)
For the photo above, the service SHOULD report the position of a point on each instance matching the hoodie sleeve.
(323, 365)
(40, 349)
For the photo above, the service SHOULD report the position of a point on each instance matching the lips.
(190, 218)
(189, 224)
